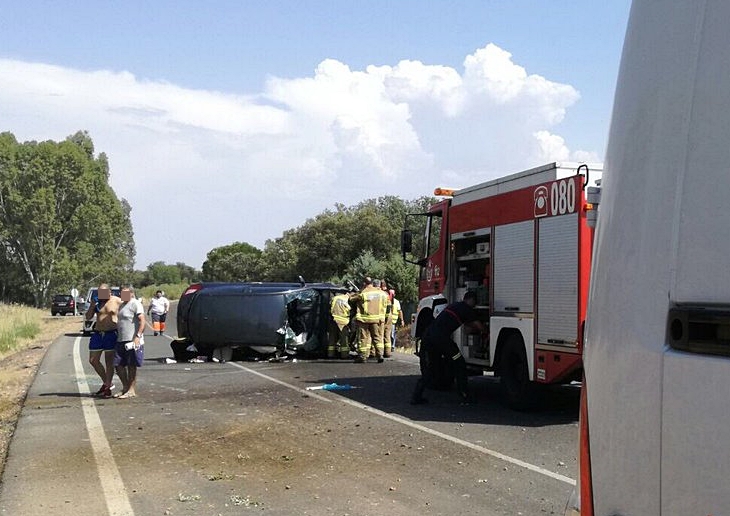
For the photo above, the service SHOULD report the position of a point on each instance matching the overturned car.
(217, 319)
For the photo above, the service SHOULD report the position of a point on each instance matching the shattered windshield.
(306, 322)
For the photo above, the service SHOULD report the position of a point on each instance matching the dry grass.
(18, 324)
(403, 339)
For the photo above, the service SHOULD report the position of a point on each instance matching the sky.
(233, 121)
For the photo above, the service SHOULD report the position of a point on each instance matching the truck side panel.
(557, 302)
(514, 267)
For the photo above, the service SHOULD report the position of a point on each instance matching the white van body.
(659, 416)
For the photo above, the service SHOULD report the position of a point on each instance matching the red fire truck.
(523, 244)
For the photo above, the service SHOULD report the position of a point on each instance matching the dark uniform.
(437, 345)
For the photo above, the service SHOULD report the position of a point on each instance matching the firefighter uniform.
(395, 315)
(387, 325)
(371, 305)
(437, 347)
(339, 333)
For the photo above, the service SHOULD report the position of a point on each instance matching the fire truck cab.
(523, 245)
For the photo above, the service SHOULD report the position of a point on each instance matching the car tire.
(54, 314)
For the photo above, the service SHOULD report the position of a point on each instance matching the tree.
(159, 273)
(365, 265)
(347, 242)
(13, 285)
(344, 243)
(403, 277)
(60, 221)
(188, 274)
(279, 259)
(325, 245)
(235, 262)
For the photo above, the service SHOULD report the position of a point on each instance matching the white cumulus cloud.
(223, 167)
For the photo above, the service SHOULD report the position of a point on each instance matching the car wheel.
(54, 314)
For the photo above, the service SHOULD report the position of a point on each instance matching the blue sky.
(233, 121)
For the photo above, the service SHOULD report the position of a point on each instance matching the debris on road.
(331, 387)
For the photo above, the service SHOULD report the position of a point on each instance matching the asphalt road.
(230, 438)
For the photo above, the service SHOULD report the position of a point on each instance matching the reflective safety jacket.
(340, 308)
(395, 314)
(371, 305)
(389, 306)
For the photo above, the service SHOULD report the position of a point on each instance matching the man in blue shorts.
(104, 337)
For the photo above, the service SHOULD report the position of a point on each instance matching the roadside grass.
(18, 325)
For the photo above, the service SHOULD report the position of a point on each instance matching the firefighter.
(339, 333)
(437, 346)
(371, 303)
(387, 325)
(395, 315)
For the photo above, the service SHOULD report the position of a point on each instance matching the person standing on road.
(395, 315)
(387, 324)
(103, 337)
(159, 306)
(371, 304)
(437, 346)
(129, 353)
(339, 334)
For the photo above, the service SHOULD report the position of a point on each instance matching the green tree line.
(62, 224)
(340, 244)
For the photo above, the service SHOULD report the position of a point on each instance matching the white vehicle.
(655, 417)
(523, 244)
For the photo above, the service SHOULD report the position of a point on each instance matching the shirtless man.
(104, 337)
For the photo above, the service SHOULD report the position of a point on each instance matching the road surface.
(229, 438)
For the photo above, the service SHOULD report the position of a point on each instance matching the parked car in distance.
(264, 318)
(62, 304)
(87, 326)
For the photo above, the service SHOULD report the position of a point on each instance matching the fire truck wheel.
(517, 390)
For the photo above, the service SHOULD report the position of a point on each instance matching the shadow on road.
(66, 395)
(559, 404)
(391, 393)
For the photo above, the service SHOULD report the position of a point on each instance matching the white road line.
(287, 385)
(115, 493)
(425, 429)
(456, 440)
